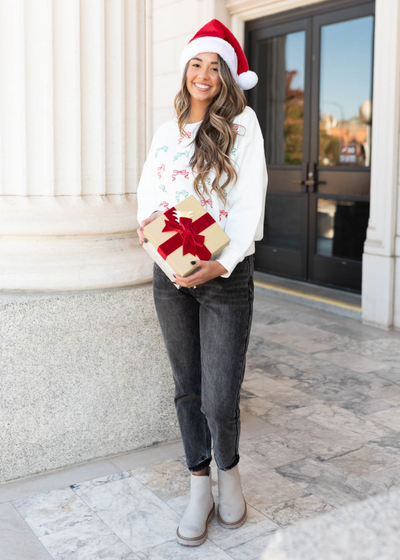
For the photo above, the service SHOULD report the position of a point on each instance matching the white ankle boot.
(232, 508)
(192, 530)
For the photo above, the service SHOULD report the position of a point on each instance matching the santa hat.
(215, 37)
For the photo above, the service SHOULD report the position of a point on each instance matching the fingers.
(189, 281)
(140, 234)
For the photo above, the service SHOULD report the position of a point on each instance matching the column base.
(84, 375)
(377, 298)
(78, 262)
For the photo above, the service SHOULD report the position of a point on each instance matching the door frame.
(330, 10)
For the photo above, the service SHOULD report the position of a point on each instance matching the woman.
(212, 149)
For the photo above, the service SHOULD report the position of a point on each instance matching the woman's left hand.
(208, 271)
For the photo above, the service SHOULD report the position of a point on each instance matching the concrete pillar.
(73, 139)
(378, 282)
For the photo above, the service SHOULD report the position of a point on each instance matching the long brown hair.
(216, 135)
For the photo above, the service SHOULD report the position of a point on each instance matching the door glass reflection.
(346, 92)
(283, 63)
(341, 228)
(283, 221)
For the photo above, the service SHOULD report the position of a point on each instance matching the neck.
(197, 110)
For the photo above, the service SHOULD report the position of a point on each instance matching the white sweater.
(167, 179)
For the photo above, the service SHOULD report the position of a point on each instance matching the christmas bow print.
(159, 169)
(178, 194)
(164, 148)
(179, 154)
(187, 135)
(206, 201)
(222, 213)
(182, 172)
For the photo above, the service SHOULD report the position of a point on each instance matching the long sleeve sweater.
(167, 179)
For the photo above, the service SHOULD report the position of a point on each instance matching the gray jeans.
(206, 333)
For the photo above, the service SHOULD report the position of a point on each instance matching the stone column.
(84, 371)
(378, 293)
(74, 130)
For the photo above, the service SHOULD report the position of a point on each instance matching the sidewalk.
(320, 429)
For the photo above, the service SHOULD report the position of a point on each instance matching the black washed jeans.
(206, 333)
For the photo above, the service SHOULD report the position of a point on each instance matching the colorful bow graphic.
(179, 154)
(159, 169)
(187, 134)
(182, 172)
(206, 201)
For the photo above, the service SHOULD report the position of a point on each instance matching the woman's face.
(202, 77)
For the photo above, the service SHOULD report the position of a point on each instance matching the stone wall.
(83, 375)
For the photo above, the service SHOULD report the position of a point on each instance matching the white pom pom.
(247, 80)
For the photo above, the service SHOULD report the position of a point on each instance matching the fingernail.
(192, 262)
(145, 240)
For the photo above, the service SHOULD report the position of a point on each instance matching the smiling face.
(202, 77)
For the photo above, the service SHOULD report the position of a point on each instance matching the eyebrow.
(201, 60)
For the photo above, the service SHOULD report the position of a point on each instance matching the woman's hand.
(152, 217)
(208, 271)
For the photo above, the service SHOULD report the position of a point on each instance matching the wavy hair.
(216, 135)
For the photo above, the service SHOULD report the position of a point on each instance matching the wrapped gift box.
(184, 233)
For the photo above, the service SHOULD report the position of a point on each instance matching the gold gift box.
(215, 239)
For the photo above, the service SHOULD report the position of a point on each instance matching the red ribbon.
(187, 236)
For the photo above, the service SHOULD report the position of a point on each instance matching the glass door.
(314, 104)
(341, 145)
(281, 61)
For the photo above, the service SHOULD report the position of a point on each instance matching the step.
(340, 302)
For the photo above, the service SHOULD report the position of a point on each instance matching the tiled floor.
(320, 429)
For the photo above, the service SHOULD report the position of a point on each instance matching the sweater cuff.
(229, 259)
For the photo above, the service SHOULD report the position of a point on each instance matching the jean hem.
(203, 465)
(233, 464)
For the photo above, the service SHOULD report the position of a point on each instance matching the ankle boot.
(232, 508)
(193, 528)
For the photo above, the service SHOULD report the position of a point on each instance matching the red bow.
(187, 236)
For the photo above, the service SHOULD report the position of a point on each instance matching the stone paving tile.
(389, 418)
(390, 394)
(272, 450)
(277, 393)
(134, 513)
(328, 482)
(315, 440)
(320, 409)
(166, 479)
(352, 361)
(365, 460)
(331, 416)
(291, 511)
(263, 486)
(390, 374)
(387, 479)
(17, 540)
(241, 543)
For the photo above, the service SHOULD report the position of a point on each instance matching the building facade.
(328, 103)
(84, 84)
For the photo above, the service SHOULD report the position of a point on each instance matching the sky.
(346, 65)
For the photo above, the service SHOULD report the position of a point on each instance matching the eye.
(195, 64)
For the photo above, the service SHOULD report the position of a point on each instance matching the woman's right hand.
(148, 220)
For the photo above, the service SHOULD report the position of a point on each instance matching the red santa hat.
(215, 37)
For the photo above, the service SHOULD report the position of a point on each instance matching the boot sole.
(233, 524)
(196, 541)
